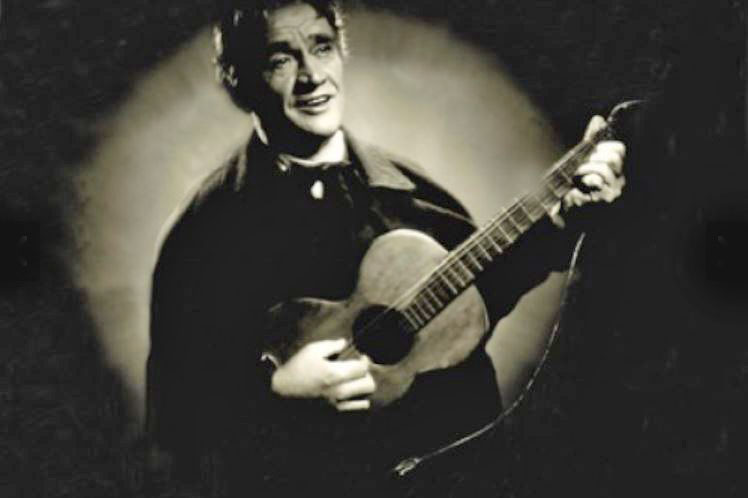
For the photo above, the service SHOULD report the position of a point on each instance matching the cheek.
(280, 88)
(333, 70)
(336, 75)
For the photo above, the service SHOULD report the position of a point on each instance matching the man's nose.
(310, 71)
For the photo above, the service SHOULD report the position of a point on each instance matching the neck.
(331, 150)
(467, 261)
(303, 147)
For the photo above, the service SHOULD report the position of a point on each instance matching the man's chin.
(321, 130)
(300, 130)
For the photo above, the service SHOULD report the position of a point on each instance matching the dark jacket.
(254, 237)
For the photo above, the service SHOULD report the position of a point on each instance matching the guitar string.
(579, 151)
(441, 268)
(576, 153)
(605, 132)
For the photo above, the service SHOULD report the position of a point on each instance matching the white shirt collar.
(334, 150)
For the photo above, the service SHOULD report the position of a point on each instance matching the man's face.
(303, 73)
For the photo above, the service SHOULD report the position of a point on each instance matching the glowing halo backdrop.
(413, 88)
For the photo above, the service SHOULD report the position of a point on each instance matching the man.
(292, 216)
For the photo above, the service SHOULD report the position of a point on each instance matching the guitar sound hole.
(379, 334)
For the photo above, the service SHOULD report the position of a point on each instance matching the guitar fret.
(460, 282)
(475, 260)
(522, 224)
(430, 299)
(423, 314)
(561, 182)
(527, 212)
(433, 296)
(508, 216)
(429, 306)
(506, 235)
(567, 176)
(542, 199)
(411, 320)
(483, 249)
(499, 249)
(444, 278)
(441, 291)
(506, 230)
(467, 267)
(555, 192)
(465, 270)
(539, 210)
(413, 314)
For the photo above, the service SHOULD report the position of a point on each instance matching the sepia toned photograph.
(366, 248)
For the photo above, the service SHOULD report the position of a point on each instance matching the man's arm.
(548, 246)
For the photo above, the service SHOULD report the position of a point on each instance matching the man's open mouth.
(313, 101)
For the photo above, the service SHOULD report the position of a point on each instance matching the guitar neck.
(465, 263)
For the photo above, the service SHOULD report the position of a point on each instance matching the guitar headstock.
(608, 131)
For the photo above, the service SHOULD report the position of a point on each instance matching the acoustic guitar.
(415, 307)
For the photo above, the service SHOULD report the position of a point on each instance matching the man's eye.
(278, 62)
(323, 48)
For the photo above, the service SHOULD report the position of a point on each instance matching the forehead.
(298, 20)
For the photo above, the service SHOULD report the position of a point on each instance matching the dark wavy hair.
(239, 40)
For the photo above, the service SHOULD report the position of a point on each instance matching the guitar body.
(395, 262)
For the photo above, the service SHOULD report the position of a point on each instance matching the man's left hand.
(602, 173)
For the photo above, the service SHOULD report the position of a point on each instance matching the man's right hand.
(311, 374)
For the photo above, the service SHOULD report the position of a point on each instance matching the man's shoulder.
(205, 197)
(426, 188)
(230, 176)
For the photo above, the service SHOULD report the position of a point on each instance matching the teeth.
(315, 101)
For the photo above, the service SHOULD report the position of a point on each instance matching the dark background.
(645, 390)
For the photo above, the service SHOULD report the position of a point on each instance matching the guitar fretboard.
(462, 266)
